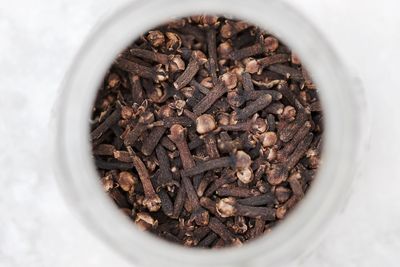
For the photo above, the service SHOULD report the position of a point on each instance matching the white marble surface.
(38, 41)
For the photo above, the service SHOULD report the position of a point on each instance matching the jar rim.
(321, 203)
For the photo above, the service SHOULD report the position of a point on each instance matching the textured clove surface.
(207, 131)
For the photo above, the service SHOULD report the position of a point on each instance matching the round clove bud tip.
(245, 175)
(107, 182)
(174, 41)
(144, 221)
(282, 194)
(252, 66)
(166, 112)
(224, 50)
(234, 99)
(177, 132)
(113, 80)
(240, 227)
(156, 38)
(268, 139)
(178, 105)
(227, 31)
(208, 20)
(126, 181)
(176, 64)
(233, 118)
(162, 75)
(230, 80)
(187, 92)
(202, 217)
(277, 174)
(207, 82)
(260, 125)
(205, 123)
(223, 119)
(262, 186)
(226, 207)
(272, 153)
(199, 56)
(126, 112)
(146, 117)
(243, 160)
(281, 212)
(289, 113)
(152, 203)
(271, 44)
(190, 242)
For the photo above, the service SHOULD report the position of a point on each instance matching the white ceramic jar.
(345, 135)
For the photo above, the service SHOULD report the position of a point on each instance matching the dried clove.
(228, 207)
(220, 229)
(207, 131)
(206, 102)
(255, 106)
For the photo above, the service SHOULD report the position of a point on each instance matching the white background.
(38, 40)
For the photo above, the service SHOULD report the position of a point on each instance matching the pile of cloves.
(206, 131)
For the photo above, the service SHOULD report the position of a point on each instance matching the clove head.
(126, 112)
(234, 99)
(177, 133)
(146, 117)
(277, 174)
(252, 65)
(259, 126)
(271, 44)
(240, 226)
(174, 41)
(268, 139)
(126, 181)
(107, 183)
(152, 203)
(289, 113)
(230, 80)
(199, 56)
(209, 20)
(144, 221)
(207, 82)
(187, 92)
(113, 80)
(156, 38)
(166, 112)
(226, 207)
(201, 216)
(223, 118)
(243, 160)
(282, 194)
(225, 49)
(227, 31)
(176, 64)
(205, 123)
(245, 175)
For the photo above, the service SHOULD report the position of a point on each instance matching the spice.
(207, 131)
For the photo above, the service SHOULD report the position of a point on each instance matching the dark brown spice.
(135, 68)
(206, 102)
(207, 131)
